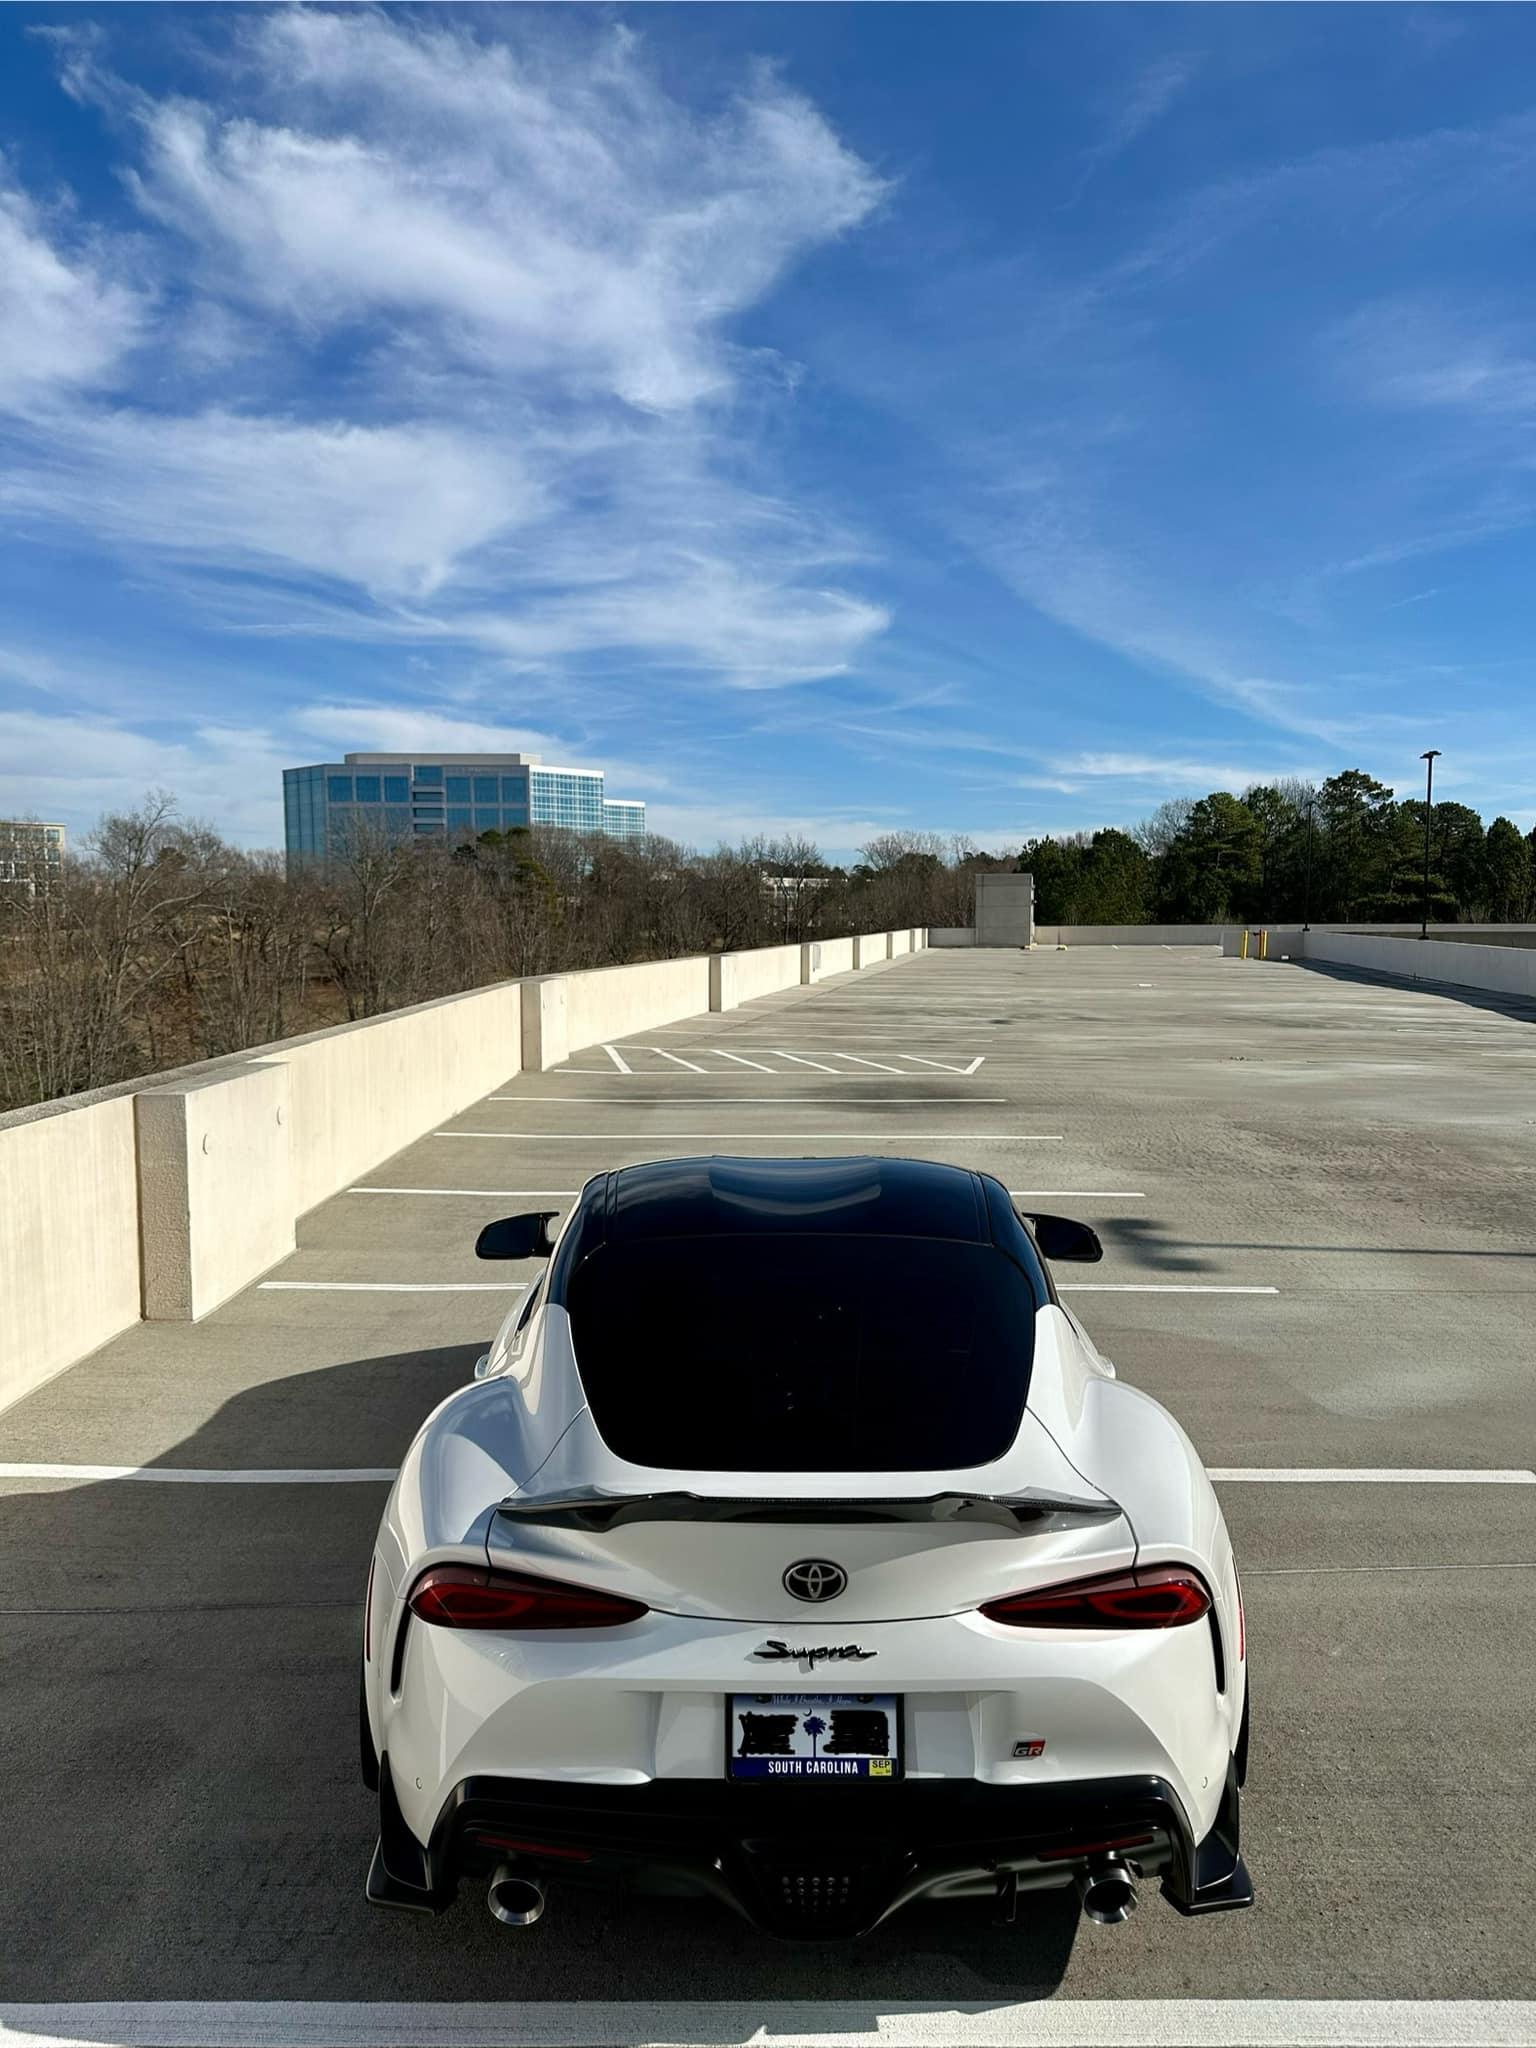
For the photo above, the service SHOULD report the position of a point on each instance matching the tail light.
(461, 1596)
(1157, 1596)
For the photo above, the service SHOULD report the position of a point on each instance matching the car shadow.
(185, 1815)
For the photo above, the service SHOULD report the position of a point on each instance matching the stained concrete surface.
(182, 1816)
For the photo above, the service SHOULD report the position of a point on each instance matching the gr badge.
(1031, 1746)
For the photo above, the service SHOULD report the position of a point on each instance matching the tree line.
(1287, 852)
(162, 944)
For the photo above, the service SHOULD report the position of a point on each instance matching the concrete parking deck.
(1316, 1196)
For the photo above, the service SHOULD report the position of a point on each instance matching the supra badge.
(815, 1579)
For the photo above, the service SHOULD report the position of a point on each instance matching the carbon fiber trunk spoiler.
(594, 1512)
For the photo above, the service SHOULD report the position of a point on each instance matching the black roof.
(848, 1197)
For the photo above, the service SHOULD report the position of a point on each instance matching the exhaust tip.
(1108, 1893)
(514, 1900)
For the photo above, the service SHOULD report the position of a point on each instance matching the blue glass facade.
(328, 807)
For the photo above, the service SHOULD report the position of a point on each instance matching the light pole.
(1306, 901)
(1429, 759)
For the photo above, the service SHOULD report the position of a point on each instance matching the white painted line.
(806, 2023)
(189, 1475)
(944, 1066)
(562, 1194)
(853, 1056)
(676, 1059)
(801, 1061)
(1347, 1475)
(393, 1286)
(622, 1064)
(671, 1137)
(736, 1056)
(630, 1100)
(975, 1064)
(1154, 1287)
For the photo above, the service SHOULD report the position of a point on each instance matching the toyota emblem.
(815, 1579)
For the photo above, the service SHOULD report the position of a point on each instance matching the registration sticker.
(813, 1735)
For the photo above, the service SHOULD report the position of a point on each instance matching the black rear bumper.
(811, 1861)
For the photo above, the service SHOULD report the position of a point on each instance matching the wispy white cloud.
(65, 322)
(1422, 353)
(1177, 775)
(1150, 96)
(467, 296)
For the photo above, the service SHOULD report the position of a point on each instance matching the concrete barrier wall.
(359, 1092)
(742, 977)
(821, 957)
(69, 1237)
(216, 1200)
(1509, 970)
(951, 935)
(164, 1197)
(562, 1013)
(1128, 935)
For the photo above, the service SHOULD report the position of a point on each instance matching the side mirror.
(518, 1237)
(1060, 1238)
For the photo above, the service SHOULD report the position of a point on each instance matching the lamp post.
(1429, 759)
(1306, 899)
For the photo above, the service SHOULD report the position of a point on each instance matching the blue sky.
(987, 420)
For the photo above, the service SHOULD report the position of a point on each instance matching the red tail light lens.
(459, 1596)
(1157, 1596)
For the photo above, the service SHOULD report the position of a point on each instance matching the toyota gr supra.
(795, 1545)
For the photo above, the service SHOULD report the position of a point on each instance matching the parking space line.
(740, 1061)
(670, 1137)
(327, 1475)
(191, 1475)
(622, 1064)
(1155, 1287)
(884, 1067)
(1348, 1475)
(393, 1286)
(803, 2023)
(676, 1058)
(561, 1194)
(801, 1061)
(630, 1100)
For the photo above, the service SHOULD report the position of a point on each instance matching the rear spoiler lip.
(595, 1511)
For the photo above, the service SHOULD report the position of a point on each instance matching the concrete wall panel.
(363, 1091)
(741, 977)
(1511, 970)
(901, 942)
(1128, 934)
(69, 1237)
(821, 957)
(870, 947)
(215, 1187)
(612, 1002)
(951, 935)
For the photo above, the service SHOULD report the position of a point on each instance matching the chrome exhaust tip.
(514, 1900)
(1108, 1892)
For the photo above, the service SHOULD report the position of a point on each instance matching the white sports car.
(795, 1545)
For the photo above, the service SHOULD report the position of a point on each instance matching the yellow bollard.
(1264, 944)
(1243, 953)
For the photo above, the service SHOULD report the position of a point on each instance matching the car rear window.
(803, 1354)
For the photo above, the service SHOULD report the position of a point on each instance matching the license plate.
(813, 1735)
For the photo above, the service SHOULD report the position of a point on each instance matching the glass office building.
(447, 797)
